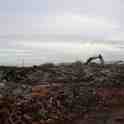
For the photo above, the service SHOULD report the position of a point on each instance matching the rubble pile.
(68, 93)
(60, 107)
(45, 107)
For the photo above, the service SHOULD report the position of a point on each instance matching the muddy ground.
(67, 93)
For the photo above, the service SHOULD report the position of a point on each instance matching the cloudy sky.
(39, 31)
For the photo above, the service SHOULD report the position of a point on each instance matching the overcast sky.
(60, 30)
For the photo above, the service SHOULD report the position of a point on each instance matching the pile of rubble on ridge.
(19, 80)
(52, 94)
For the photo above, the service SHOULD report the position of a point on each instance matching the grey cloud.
(60, 30)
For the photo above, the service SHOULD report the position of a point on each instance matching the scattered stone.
(17, 92)
(51, 94)
(2, 85)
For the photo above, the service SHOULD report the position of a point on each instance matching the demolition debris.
(72, 93)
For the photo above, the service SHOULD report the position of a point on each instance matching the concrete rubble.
(67, 93)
